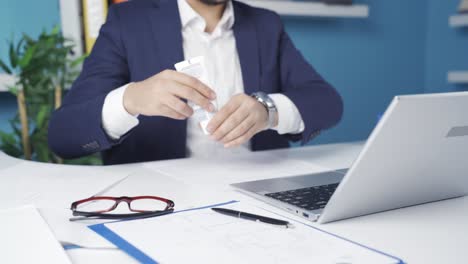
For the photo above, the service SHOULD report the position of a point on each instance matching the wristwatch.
(269, 105)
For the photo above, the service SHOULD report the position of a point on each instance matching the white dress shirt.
(225, 78)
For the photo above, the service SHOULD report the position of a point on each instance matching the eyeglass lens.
(136, 205)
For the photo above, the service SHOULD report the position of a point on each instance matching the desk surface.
(430, 233)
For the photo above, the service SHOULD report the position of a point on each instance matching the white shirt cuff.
(289, 119)
(116, 121)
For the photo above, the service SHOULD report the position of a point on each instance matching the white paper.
(204, 236)
(158, 184)
(54, 186)
(98, 256)
(74, 233)
(232, 168)
(155, 184)
(26, 238)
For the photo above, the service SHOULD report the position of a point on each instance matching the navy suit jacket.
(142, 38)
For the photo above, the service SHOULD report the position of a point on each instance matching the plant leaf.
(78, 61)
(27, 56)
(6, 138)
(40, 63)
(14, 126)
(13, 89)
(41, 116)
(55, 30)
(13, 56)
(27, 38)
(10, 145)
(4, 67)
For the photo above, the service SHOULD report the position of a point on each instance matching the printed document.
(204, 236)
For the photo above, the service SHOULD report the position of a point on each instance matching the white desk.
(7, 161)
(431, 233)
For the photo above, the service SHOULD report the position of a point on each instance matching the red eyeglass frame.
(102, 214)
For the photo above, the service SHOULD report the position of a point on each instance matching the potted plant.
(43, 68)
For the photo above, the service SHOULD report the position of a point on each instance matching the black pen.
(251, 217)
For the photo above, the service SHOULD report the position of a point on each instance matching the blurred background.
(370, 51)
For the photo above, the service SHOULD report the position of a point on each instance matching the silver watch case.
(270, 106)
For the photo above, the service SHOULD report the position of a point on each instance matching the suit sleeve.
(319, 104)
(75, 129)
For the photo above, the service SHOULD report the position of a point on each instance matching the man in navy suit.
(130, 105)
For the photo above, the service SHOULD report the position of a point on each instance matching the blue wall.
(367, 60)
(403, 47)
(28, 16)
(16, 17)
(7, 110)
(447, 47)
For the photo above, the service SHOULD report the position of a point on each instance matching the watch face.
(262, 94)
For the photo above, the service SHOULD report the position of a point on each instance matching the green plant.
(42, 68)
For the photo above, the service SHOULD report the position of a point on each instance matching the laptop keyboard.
(311, 198)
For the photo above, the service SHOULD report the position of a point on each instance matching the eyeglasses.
(97, 207)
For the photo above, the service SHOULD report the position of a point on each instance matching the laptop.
(418, 153)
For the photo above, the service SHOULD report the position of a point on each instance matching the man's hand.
(162, 94)
(238, 121)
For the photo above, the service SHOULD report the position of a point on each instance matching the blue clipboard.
(141, 257)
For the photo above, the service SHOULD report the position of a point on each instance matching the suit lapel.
(247, 48)
(166, 25)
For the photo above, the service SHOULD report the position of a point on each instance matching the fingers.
(179, 106)
(230, 124)
(191, 82)
(240, 130)
(169, 112)
(223, 114)
(242, 139)
(190, 94)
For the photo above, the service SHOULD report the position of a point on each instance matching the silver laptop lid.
(418, 153)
